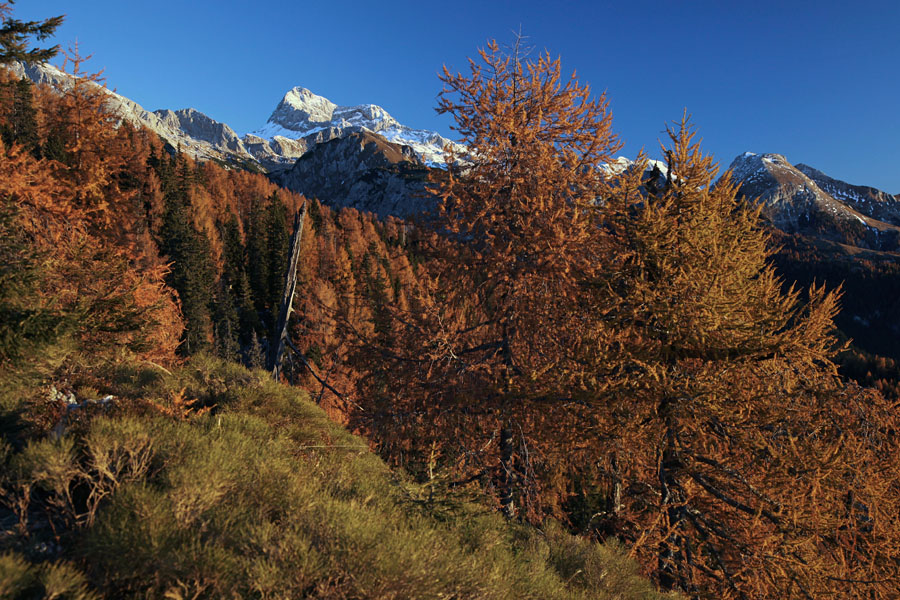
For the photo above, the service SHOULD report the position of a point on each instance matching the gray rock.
(365, 171)
(198, 126)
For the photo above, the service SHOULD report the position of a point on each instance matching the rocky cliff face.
(869, 201)
(197, 126)
(364, 171)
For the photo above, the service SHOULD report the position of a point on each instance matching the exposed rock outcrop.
(200, 127)
(362, 170)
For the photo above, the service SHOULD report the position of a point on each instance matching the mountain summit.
(800, 199)
(301, 120)
(303, 112)
(303, 115)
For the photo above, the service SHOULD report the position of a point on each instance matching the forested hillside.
(557, 368)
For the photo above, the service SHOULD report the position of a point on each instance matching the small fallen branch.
(302, 357)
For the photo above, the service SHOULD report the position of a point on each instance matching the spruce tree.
(191, 275)
(235, 283)
(15, 34)
(21, 126)
(258, 255)
(24, 324)
(226, 328)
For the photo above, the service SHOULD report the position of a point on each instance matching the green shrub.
(20, 580)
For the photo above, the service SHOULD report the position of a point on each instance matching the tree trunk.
(671, 550)
(616, 509)
(276, 349)
(507, 472)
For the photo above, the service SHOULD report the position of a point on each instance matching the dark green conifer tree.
(54, 147)
(15, 34)
(192, 274)
(255, 353)
(164, 167)
(376, 290)
(21, 125)
(258, 255)
(225, 324)
(22, 326)
(278, 239)
(184, 177)
(236, 283)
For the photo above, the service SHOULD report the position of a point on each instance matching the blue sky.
(816, 81)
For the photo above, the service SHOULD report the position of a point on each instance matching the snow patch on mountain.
(301, 114)
(620, 164)
(794, 201)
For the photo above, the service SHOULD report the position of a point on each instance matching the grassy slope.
(266, 498)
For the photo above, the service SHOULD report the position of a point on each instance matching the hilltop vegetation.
(153, 495)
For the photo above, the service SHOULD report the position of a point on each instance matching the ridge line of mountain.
(298, 123)
(383, 163)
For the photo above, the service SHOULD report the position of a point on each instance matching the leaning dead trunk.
(276, 348)
(507, 473)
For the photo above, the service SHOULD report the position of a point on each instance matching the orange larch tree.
(82, 138)
(488, 340)
(747, 468)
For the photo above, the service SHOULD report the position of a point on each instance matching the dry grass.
(264, 497)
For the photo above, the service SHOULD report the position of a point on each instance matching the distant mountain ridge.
(797, 199)
(800, 199)
(301, 120)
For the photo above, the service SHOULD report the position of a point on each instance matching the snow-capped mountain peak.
(301, 114)
(301, 101)
(799, 198)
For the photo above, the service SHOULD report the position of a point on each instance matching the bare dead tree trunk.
(276, 349)
(617, 486)
(507, 474)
